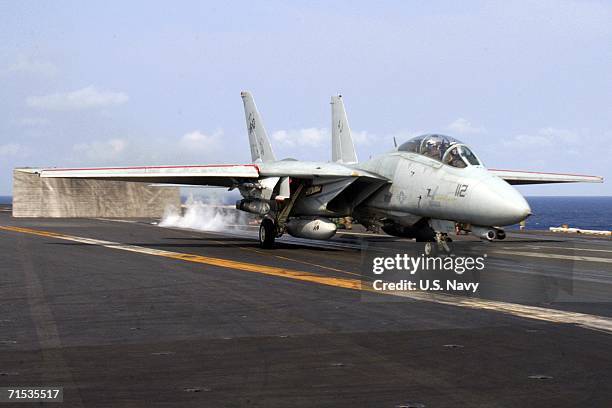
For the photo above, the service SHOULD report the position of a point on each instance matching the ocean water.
(577, 212)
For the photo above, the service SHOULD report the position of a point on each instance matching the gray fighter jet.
(424, 189)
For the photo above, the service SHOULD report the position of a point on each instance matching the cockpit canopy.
(446, 149)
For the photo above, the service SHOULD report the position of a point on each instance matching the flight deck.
(125, 313)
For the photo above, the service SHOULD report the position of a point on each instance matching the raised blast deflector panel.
(34, 196)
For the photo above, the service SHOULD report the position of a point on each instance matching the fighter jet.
(423, 189)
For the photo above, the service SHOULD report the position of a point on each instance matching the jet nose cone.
(512, 207)
(517, 208)
(500, 204)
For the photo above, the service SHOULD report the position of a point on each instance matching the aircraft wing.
(533, 177)
(223, 175)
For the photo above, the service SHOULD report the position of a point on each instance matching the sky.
(527, 84)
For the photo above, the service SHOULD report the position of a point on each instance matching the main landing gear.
(273, 224)
(267, 233)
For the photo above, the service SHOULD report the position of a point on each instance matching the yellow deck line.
(220, 262)
(601, 323)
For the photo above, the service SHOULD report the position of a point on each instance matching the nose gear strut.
(442, 241)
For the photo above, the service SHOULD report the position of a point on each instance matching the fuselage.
(423, 187)
(419, 187)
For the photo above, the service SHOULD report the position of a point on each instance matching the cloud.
(105, 151)
(464, 127)
(86, 98)
(28, 65)
(310, 137)
(562, 135)
(11, 149)
(315, 137)
(363, 138)
(524, 140)
(194, 146)
(201, 142)
(544, 137)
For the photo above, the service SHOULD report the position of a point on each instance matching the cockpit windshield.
(446, 149)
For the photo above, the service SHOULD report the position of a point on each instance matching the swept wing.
(211, 175)
(533, 177)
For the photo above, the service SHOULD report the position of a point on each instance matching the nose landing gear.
(441, 244)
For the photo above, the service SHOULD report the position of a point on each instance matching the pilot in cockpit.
(454, 159)
(444, 145)
(433, 148)
(442, 148)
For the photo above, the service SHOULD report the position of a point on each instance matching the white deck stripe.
(555, 256)
(589, 321)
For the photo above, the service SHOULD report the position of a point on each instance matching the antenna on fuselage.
(394, 142)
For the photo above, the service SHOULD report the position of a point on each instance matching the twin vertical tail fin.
(343, 150)
(261, 150)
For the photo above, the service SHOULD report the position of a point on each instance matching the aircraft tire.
(267, 233)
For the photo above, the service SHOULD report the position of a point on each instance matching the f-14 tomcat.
(424, 189)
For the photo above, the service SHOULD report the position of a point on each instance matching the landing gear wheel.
(428, 249)
(267, 233)
(448, 243)
(443, 246)
(442, 242)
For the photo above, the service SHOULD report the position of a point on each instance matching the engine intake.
(253, 206)
(484, 232)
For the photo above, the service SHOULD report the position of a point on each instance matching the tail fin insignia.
(261, 150)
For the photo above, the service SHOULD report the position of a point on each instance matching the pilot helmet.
(433, 145)
(434, 141)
